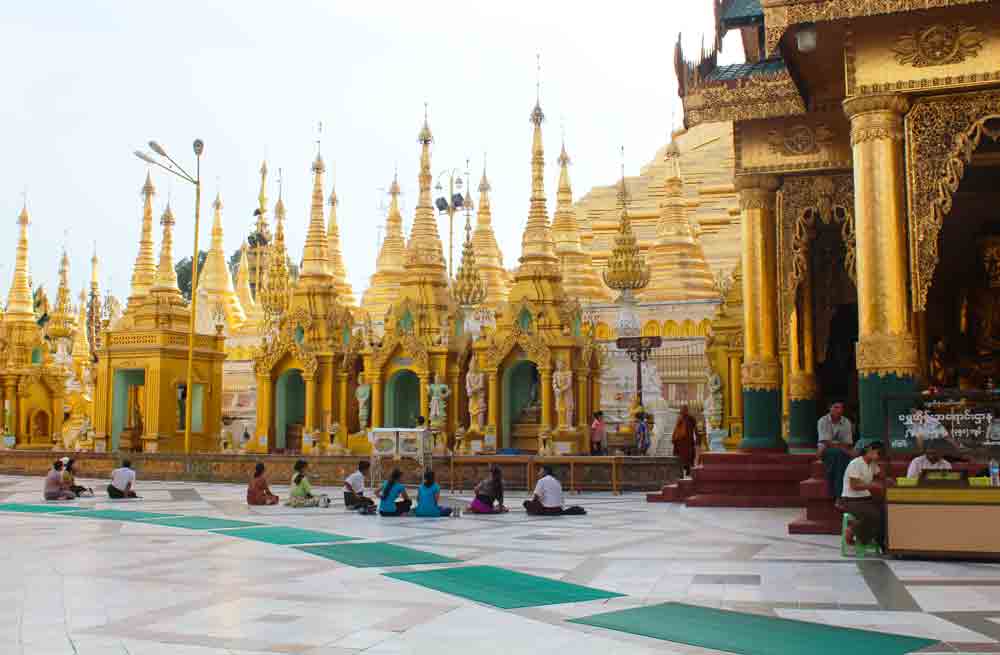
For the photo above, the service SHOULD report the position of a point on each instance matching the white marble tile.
(911, 624)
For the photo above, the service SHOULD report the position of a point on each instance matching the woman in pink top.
(598, 434)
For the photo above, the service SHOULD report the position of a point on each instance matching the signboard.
(638, 343)
(962, 422)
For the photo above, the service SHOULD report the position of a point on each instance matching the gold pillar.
(887, 350)
(761, 366)
(57, 419)
(264, 395)
(492, 409)
(582, 398)
(425, 402)
(453, 401)
(342, 401)
(376, 417)
(595, 393)
(151, 430)
(546, 382)
(310, 422)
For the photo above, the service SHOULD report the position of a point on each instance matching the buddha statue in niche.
(983, 312)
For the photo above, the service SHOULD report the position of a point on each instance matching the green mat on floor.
(378, 554)
(749, 634)
(200, 523)
(502, 588)
(118, 514)
(26, 508)
(284, 536)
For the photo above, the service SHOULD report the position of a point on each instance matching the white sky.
(86, 83)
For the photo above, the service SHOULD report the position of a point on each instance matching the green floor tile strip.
(378, 554)
(118, 515)
(502, 588)
(200, 523)
(749, 634)
(284, 536)
(25, 508)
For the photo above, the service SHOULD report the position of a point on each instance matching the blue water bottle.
(994, 473)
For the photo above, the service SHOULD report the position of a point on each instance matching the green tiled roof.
(742, 71)
(741, 12)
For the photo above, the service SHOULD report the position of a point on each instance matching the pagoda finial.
(425, 242)
(166, 276)
(20, 306)
(344, 291)
(144, 271)
(315, 253)
(627, 270)
(469, 289)
(60, 325)
(536, 242)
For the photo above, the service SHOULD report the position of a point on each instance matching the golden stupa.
(384, 283)
(488, 254)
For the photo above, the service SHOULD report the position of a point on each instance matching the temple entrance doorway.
(960, 328)
(127, 411)
(521, 404)
(290, 410)
(402, 400)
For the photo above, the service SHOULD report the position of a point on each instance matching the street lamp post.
(449, 206)
(178, 170)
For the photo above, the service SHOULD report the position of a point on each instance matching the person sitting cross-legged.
(391, 490)
(354, 489)
(548, 497)
(301, 494)
(54, 488)
(122, 482)
(258, 492)
(69, 478)
(489, 494)
(429, 498)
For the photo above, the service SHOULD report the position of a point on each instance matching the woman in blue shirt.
(428, 498)
(391, 490)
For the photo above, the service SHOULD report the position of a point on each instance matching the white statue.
(362, 394)
(475, 387)
(439, 393)
(562, 384)
(713, 401)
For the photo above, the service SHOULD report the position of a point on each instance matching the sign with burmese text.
(967, 422)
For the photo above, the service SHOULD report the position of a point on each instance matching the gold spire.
(537, 246)
(424, 246)
(94, 304)
(276, 284)
(60, 325)
(243, 291)
(580, 279)
(95, 272)
(384, 283)
(627, 270)
(487, 250)
(214, 277)
(262, 196)
(81, 348)
(468, 290)
(166, 276)
(677, 262)
(20, 307)
(344, 291)
(315, 256)
(144, 271)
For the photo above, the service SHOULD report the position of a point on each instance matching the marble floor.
(79, 586)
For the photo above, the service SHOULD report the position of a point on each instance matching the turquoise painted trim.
(761, 419)
(123, 379)
(518, 380)
(402, 400)
(802, 423)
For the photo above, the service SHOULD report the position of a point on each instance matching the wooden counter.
(944, 522)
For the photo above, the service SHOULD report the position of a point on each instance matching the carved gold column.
(57, 419)
(3, 396)
(734, 393)
(887, 350)
(342, 393)
(310, 425)
(761, 368)
(547, 397)
(802, 373)
(154, 399)
(377, 411)
(425, 401)
(453, 401)
(493, 390)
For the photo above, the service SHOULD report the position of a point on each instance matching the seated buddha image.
(983, 312)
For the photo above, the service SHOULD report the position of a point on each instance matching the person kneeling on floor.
(354, 490)
(869, 518)
(391, 490)
(122, 482)
(301, 494)
(54, 489)
(429, 498)
(548, 497)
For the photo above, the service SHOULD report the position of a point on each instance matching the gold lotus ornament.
(938, 45)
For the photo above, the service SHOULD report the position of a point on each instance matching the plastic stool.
(860, 550)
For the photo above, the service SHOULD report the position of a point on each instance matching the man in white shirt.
(122, 481)
(354, 489)
(931, 460)
(548, 497)
(859, 481)
(835, 437)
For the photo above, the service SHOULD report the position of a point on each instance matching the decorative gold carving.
(938, 45)
(990, 248)
(942, 133)
(799, 139)
(762, 96)
(885, 354)
(802, 386)
(761, 375)
(533, 345)
(779, 15)
(757, 191)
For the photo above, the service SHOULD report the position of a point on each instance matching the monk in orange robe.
(684, 438)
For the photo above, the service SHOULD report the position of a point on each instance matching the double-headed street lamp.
(178, 170)
(450, 205)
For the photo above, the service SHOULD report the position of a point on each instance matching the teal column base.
(872, 389)
(762, 420)
(802, 423)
